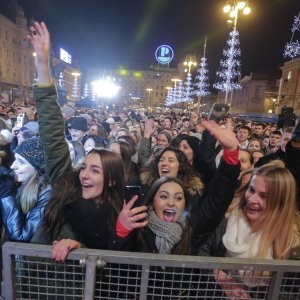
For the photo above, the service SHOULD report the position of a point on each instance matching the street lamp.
(230, 72)
(149, 91)
(189, 64)
(233, 7)
(75, 85)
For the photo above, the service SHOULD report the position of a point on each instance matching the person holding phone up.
(170, 228)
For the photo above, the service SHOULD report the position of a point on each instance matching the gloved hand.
(7, 185)
(218, 111)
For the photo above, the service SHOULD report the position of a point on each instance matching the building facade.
(139, 88)
(289, 88)
(17, 71)
(255, 96)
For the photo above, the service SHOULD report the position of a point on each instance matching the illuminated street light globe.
(105, 88)
(227, 8)
(241, 5)
(246, 10)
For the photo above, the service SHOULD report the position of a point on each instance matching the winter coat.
(20, 226)
(205, 216)
(292, 162)
(279, 154)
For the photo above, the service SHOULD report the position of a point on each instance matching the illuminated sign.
(164, 54)
(65, 56)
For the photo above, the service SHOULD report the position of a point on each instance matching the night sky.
(106, 33)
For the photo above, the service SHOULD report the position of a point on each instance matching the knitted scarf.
(167, 234)
(238, 239)
(240, 242)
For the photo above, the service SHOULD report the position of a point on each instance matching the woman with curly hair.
(172, 162)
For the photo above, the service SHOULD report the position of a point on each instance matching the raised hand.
(149, 128)
(194, 117)
(40, 40)
(132, 218)
(226, 137)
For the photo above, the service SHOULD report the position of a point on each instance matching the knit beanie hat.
(79, 123)
(69, 111)
(32, 126)
(167, 135)
(33, 151)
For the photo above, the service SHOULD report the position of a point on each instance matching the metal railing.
(30, 273)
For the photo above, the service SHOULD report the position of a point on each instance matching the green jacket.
(51, 128)
(58, 162)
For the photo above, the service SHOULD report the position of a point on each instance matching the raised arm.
(213, 208)
(49, 114)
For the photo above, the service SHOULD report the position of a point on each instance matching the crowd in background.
(203, 185)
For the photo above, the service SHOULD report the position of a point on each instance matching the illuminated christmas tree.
(229, 74)
(85, 91)
(188, 88)
(169, 98)
(179, 93)
(202, 82)
(61, 81)
(292, 49)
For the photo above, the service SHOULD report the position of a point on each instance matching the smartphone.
(131, 191)
(20, 121)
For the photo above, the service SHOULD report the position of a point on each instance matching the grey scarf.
(167, 234)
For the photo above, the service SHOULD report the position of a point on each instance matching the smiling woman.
(265, 225)
(21, 212)
(84, 207)
(174, 226)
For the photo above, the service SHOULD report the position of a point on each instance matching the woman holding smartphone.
(172, 228)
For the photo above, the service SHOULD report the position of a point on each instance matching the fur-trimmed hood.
(196, 186)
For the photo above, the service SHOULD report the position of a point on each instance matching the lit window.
(289, 75)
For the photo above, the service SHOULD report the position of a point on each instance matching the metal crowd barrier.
(30, 273)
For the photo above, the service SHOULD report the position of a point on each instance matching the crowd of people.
(207, 187)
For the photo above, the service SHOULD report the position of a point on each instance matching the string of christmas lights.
(188, 88)
(202, 83)
(85, 91)
(292, 49)
(228, 76)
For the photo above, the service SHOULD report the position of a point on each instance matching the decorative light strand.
(202, 82)
(292, 49)
(228, 76)
(188, 88)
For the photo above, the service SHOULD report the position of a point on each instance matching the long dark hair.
(126, 153)
(185, 172)
(183, 246)
(68, 189)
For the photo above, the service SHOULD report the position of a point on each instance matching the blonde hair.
(280, 223)
(29, 194)
(240, 192)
